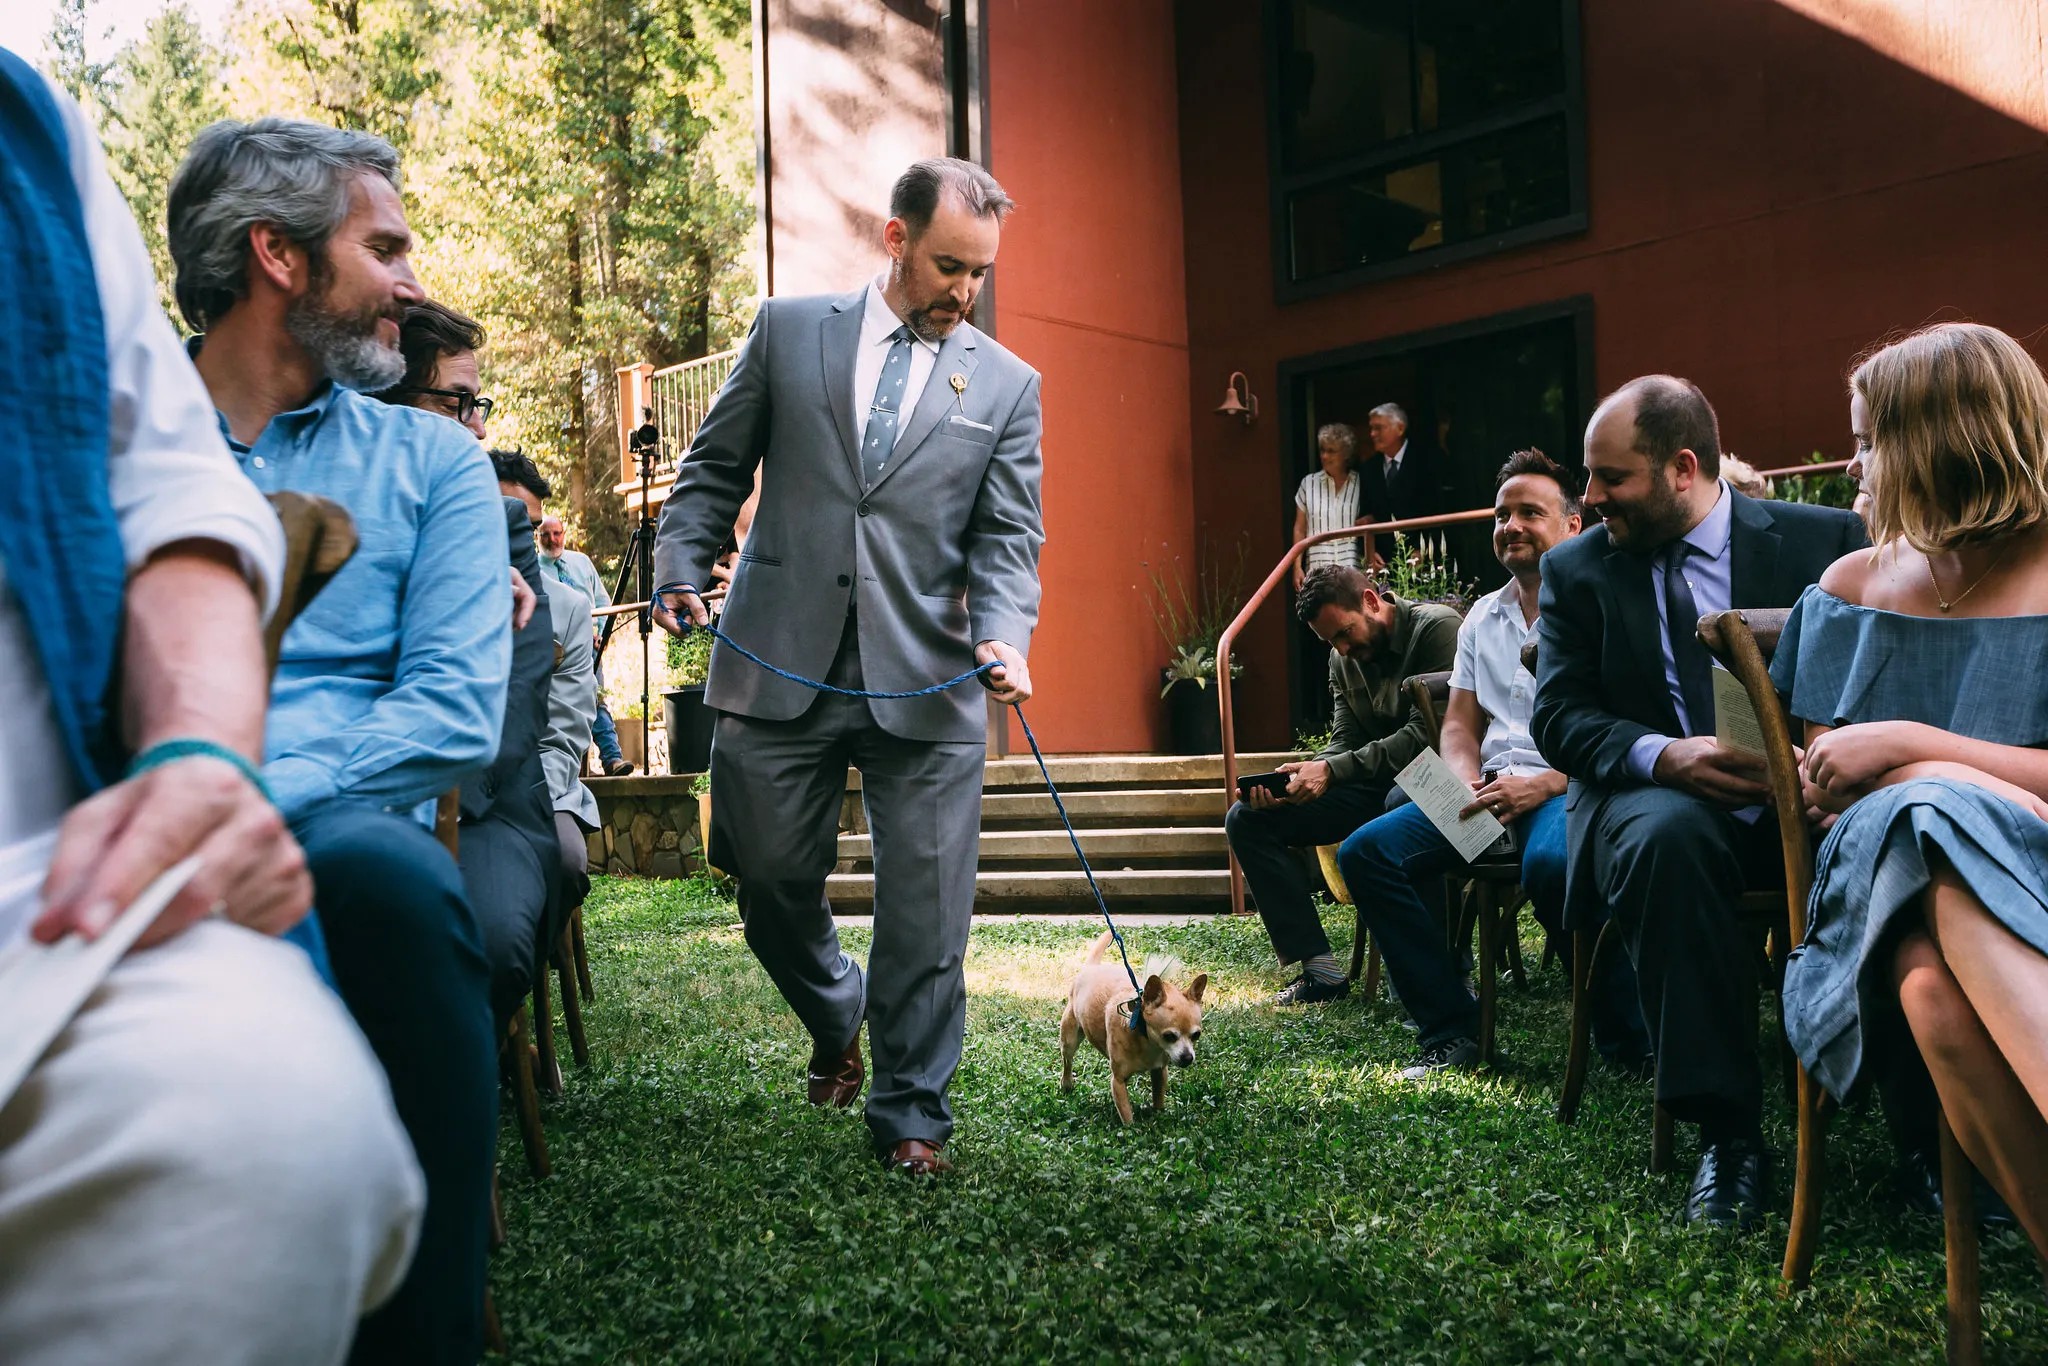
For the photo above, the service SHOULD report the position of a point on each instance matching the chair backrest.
(319, 538)
(1743, 640)
(448, 820)
(1431, 696)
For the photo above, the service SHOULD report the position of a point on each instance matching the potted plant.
(1192, 621)
(701, 790)
(688, 720)
(632, 727)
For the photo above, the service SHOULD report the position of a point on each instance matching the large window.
(1409, 133)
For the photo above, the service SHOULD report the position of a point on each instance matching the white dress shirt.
(877, 324)
(169, 475)
(1489, 665)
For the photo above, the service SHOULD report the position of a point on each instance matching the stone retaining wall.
(648, 825)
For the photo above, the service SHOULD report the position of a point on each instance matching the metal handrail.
(1280, 570)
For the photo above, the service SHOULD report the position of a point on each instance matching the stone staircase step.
(1116, 807)
(1065, 890)
(1078, 772)
(1185, 846)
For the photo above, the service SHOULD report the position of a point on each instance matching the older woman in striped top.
(1328, 500)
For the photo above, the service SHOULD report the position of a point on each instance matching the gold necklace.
(1946, 603)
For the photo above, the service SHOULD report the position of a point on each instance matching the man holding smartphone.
(1376, 642)
(1486, 741)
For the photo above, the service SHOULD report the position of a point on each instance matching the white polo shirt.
(1489, 665)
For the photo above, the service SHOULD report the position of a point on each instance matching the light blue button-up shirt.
(1710, 572)
(390, 687)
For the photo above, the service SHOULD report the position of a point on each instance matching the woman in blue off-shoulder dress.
(1921, 671)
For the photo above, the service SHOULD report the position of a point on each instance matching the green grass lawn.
(1294, 1202)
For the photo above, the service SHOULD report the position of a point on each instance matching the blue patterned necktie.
(885, 412)
(1681, 620)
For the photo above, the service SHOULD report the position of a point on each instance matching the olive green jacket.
(1374, 729)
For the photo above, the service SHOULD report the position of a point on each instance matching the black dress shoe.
(1918, 1183)
(1919, 1188)
(1730, 1187)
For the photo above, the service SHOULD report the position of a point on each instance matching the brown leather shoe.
(835, 1079)
(915, 1157)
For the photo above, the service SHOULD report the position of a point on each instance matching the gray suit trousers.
(776, 788)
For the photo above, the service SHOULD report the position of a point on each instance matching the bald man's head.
(551, 536)
(1653, 461)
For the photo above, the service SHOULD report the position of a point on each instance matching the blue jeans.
(605, 734)
(1383, 861)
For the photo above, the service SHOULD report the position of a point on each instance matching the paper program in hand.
(1441, 794)
(1735, 720)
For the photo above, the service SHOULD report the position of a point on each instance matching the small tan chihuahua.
(1098, 1006)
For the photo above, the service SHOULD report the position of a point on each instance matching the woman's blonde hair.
(1958, 417)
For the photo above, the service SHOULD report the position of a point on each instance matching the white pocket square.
(970, 422)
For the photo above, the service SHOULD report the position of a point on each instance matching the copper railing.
(1280, 572)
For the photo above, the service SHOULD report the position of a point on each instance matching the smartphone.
(1507, 843)
(1275, 783)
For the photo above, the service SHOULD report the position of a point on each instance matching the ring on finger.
(219, 908)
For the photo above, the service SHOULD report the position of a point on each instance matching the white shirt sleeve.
(1465, 664)
(1301, 493)
(169, 472)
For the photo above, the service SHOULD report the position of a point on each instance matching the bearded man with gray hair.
(291, 249)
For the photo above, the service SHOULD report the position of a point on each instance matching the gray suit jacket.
(940, 554)
(572, 704)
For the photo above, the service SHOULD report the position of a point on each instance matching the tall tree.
(66, 60)
(165, 88)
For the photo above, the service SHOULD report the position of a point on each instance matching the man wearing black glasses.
(441, 374)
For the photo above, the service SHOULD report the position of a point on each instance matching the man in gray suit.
(895, 545)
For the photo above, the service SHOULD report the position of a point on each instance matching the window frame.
(1417, 147)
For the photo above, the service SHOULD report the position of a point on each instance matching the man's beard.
(1652, 520)
(922, 324)
(345, 345)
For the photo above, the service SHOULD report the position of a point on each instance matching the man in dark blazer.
(507, 847)
(1665, 826)
(1402, 479)
(895, 545)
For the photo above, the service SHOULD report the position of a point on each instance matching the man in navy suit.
(1665, 827)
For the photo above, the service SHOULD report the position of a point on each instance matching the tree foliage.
(578, 173)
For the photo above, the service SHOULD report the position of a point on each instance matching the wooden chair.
(516, 1050)
(1365, 955)
(1743, 641)
(1487, 896)
(319, 538)
(564, 960)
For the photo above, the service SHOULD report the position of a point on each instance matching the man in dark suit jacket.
(1402, 480)
(507, 848)
(1665, 826)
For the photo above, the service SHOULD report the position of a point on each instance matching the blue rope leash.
(978, 672)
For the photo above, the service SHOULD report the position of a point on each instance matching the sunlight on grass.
(1294, 1201)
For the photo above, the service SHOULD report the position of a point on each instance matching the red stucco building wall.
(1766, 197)
(1772, 186)
(1084, 132)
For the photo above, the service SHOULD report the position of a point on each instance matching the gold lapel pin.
(959, 383)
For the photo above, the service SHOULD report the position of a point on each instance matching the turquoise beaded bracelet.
(170, 751)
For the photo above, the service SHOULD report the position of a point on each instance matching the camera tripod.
(636, 566)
